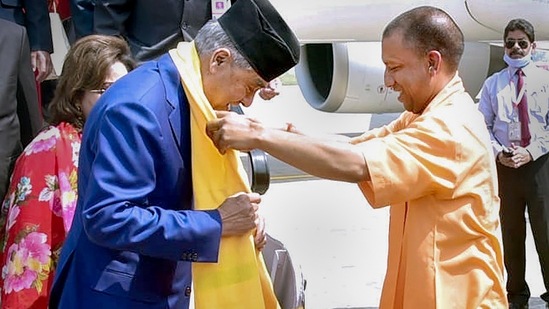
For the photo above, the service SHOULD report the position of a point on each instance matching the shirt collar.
(454, 86)
(525, 70)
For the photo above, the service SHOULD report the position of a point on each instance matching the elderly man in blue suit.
(135, 232)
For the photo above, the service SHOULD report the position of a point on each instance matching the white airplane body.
(341, 71)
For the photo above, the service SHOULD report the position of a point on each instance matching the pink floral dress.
(36, 216)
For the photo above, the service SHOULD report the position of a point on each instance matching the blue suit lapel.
(174, 94)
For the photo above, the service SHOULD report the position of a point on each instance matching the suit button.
(194, 257)
(188, 291)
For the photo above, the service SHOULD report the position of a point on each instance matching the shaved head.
(427, 28)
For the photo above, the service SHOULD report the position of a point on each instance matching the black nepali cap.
(262, 37)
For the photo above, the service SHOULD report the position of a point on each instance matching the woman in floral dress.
(39, 205)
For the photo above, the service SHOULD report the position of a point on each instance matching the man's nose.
(388, 80)
(247, 101)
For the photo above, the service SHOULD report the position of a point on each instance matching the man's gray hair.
(211, 37)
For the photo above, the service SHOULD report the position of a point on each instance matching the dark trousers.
(520, 190)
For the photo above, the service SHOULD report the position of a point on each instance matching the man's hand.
(505, 159)
(239, 213)
(260, 236)
(231, 130)
(271, 91)
(518, 158)
(41, 64)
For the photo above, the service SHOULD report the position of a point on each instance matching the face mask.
(517, 63)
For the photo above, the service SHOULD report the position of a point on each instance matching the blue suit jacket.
(134, 234)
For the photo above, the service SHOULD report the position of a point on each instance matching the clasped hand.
(518, 158)
(231, 130)
(239, 213)
(239, 216)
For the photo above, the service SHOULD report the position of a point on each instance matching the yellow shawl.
(239, 280)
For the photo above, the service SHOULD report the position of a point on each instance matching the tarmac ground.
(340, 242)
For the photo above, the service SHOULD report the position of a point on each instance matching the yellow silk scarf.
(240, 279)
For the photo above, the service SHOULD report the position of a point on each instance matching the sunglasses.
(104, 88)
(521, 43)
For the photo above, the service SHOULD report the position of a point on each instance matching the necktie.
(523, 112)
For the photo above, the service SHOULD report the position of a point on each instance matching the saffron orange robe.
(437, 172)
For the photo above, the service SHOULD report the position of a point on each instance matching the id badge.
(219, 7)
(514, 131)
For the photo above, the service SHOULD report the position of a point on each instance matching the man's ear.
(220, 57)
(435, 60)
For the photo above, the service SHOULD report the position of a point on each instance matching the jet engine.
(348, 77)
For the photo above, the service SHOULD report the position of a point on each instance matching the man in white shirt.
(515, 104)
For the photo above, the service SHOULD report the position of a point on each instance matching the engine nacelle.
(348, 77)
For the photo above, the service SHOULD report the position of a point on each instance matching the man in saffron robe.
(433, 165)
